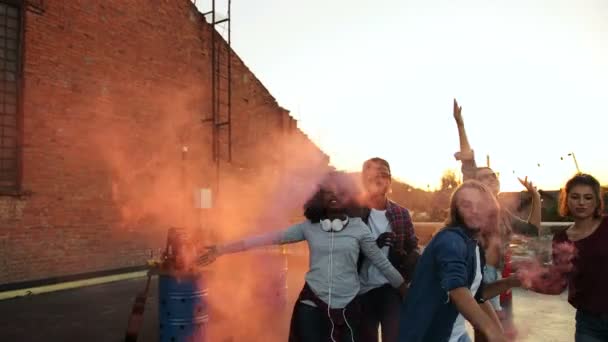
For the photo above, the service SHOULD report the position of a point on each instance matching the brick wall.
(113, 90)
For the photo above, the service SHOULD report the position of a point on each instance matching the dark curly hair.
(581, 179)
(314, 208)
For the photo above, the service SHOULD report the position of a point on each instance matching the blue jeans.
(464, 338)
(591, 327)
(490, 275)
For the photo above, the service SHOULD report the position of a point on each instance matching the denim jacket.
(448, 262)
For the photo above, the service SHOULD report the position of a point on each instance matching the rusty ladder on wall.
(221, 85)
(221, 88)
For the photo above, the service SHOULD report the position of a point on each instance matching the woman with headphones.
(326, 309)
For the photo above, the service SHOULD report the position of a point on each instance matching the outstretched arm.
(498, 287)
(553, 279)
(292, 234)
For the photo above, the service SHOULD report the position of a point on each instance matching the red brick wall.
(112, 91)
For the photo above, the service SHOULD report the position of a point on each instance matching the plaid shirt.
(404, 252)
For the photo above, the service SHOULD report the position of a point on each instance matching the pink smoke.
(552, 279)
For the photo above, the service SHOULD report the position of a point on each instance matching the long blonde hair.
(454, 217)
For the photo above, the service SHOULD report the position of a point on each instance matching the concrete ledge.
(424, 230)
(70, 285)
(70, 278)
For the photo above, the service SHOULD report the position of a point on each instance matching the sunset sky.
(377, 78)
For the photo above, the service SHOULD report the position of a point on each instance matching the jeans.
(490, 275)
(464, 338)
(380, 307)
(591, 327)
(315, 326)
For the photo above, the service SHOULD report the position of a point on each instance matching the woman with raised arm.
(326, 310)
(498, 255)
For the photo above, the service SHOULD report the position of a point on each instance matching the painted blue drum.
(182, 308)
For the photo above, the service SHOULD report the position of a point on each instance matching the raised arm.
(462, 134)
(292, 234)
(535, 212)
(466, 154)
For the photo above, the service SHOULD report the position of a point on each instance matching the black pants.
(314, 325)
(380, 307)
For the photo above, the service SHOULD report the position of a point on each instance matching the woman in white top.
(325, 309)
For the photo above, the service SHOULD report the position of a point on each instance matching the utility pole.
(575, 162)
(571, 154)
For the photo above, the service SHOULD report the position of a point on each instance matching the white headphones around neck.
(335, 225)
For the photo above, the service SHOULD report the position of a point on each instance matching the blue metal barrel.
(182, 308)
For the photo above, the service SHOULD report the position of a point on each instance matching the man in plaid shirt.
(392, 226)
